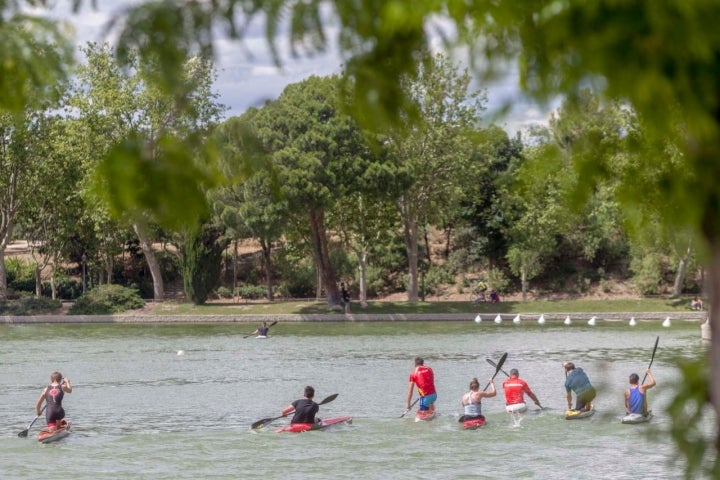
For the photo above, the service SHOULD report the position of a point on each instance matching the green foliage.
(224, 292)
(648, 272)
(436, 277)
(106, 300)
(252, 292)
(201, 262)
(499, 281)
(690, 411)
(29, 305)
(19, 270)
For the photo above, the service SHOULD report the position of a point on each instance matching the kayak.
(323, 425)
(578, 414)
(424, 415)
(473, 424)
(262, 336)
(632, 418)
(516, 408)
(63, 430)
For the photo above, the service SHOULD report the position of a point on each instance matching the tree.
(433, 151)
(201, 261)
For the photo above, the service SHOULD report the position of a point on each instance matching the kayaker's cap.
(569, 366)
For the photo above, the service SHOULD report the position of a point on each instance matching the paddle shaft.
(497, 369)
(271, 325)
(495, 365)
(411, 405)
(24, 433)
(651, 358)
(265, 421)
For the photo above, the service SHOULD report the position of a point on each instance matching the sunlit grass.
(544, 306)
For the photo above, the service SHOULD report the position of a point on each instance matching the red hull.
(424, 415)
(46, 435)
(473, 424)
(304, 427)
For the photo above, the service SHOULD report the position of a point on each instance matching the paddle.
(24, 433)
(651, 358)
(265, 421)
(495, 365)
(497, 369)
(272, 324)
(411, 405)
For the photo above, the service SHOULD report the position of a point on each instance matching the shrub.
(107, 299)
(224, 292)
(29, 305)
(252, 292)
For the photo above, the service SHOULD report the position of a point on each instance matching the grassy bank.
(543, 306)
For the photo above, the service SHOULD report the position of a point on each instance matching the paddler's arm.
(650, 384)
(533, 397)
(627, 401)
(66, 386)
(569, 399)
(287, 410)
(492, 391)
(411, 387)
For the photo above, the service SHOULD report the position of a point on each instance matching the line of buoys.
(541, 320)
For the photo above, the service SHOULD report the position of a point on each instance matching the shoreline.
(134, 318)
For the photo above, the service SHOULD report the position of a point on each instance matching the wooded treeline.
(327, 199)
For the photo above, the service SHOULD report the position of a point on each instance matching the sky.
(248, 77)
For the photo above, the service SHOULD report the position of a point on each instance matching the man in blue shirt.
(577, 381)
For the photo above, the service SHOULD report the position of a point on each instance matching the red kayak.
(424, 415)
(473, 424)
(323, 425)
(62, 430)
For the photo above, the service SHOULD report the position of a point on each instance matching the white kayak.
(632, 418)
(261, 336)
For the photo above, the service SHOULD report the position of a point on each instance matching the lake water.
(142, 411)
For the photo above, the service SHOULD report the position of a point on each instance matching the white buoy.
(498, 319)
(666, 323)
(516, 319)
(478, 319)
(181, 352)
(567, 320)
(591, 322)
(632, 321)
(541, 320)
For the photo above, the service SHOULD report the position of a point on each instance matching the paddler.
(53, 395)
(635, 396)
(577, 381)
(515, 388)
(424, 378)
(472, 400)
(304, 408)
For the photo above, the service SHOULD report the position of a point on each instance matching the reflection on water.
(143, 411)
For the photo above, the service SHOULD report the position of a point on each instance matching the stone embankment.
(690, 316)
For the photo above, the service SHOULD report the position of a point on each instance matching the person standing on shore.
(345, 297)
(53, 394)
(424, 378)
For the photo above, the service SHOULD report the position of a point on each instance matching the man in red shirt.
(514, 388)
(424, 378)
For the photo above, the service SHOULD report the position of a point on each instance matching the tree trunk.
(681, 272)
(713, 293)
(362, 268)
(267, 261)
(523, 282)
(38, 280)
(3, 273)
(152, 262)
(410, 231)
(322, 258)
(234, 269)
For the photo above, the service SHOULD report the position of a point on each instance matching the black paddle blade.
(263, 422)
(329, 399)
(651, 358)
(497, 369)
(23, 434)
(495, 365)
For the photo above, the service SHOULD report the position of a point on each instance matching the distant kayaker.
(636, 397)
(262, 330)
(53, 395)
(578, 382)
(472, 400)
(424, 378)
(304, 408)
(515, 388)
